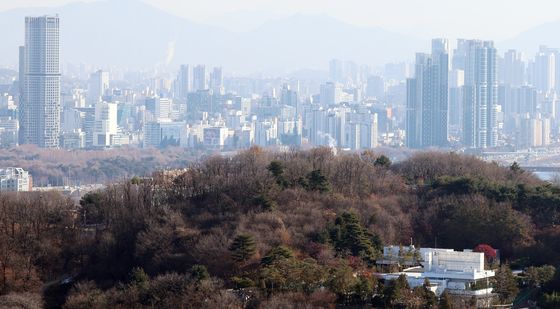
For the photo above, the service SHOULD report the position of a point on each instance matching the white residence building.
(105, 128)
(15, 179)
(459, 273)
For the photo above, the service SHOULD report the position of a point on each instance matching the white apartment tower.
(40, 106)
(98, 86)
(480, 98)
(105, 127)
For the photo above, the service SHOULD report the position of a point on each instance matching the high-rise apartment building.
(336, 71)
(330, 94)
(21, 77)
(456, 83)
(514, 68)
(199, 78)
(217, 80)
(105, 127)
(183, 82)
(98, 86)
(545, 69)
(288, 96)
(164, 108)
(40, 106)
(375, 87)
(480, 97)
(361, 130)
(533, 132)
(428, 98)
(459, 55)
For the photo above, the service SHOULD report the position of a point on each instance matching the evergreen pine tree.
(398, 293)
(277, 170)
(349, 236)
(506, 286)
(316, 181)
(277, 254)
(242, 248)
(382, 161)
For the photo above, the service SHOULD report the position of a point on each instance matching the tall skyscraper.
(375, 87)
(545, 69)
(459, 55)
(288, 96)
(336, 71)
(183, 82)
(514, 68)
(217, 80)
(456, 83)
(199, 78)
(98, 86)
(21, 73)
(330, 94)
(105, 127)
(480, 97)
(428, 98)
(40, 106)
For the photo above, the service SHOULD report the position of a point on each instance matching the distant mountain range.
(530, 40)
(134, 34)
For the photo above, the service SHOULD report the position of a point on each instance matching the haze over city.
(403, 26)
(426, 19)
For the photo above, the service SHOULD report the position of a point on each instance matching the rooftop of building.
(12, 172)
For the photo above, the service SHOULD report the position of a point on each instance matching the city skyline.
(472, 97)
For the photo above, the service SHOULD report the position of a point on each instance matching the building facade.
(98, 86)
(460, 273)
(199, 78)
(480, 95)
(428, 98)
(105, 127)
(15, 179)
(40, 105)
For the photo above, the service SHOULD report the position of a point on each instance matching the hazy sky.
(487, 19)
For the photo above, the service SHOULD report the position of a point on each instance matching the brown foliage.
(35, 233)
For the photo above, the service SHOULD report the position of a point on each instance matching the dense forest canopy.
(296, 229)
(58, 167)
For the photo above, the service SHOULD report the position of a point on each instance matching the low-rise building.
(460, 273)
(9, 128)
(73, 140)
(15, 179)
(214, 138)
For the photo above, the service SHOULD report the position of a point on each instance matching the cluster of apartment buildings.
(467, 98)
(479, 99)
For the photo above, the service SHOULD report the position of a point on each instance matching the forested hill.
(273, 230)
